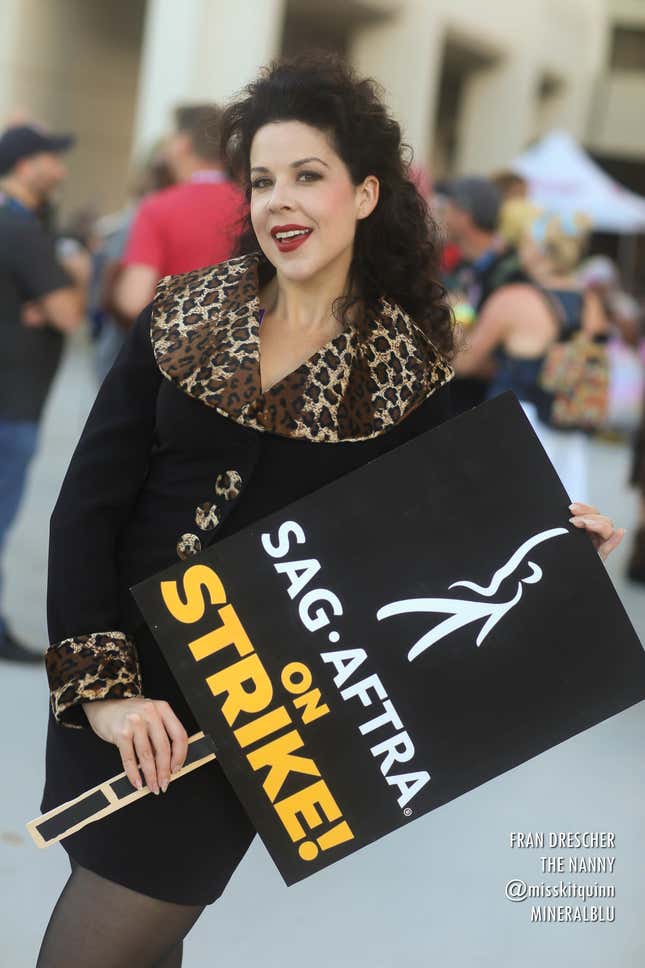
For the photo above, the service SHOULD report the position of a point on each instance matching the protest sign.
(397, 638)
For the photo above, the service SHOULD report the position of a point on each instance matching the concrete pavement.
(429, 895)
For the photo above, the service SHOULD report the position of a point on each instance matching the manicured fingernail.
(164, 786)
(138, 783)
(575, 505)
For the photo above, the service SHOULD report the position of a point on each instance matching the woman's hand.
(601, 530)
(146, 730)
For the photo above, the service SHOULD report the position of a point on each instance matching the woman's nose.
(280, 198)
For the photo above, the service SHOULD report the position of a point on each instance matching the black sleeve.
(34, 265)
(90, 658)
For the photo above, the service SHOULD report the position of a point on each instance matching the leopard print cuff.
(103, 665)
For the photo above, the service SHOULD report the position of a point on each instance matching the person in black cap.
(470, 212)
(40, 300)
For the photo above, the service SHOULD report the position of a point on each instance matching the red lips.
(294, 241)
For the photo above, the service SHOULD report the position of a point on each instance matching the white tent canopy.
(563, 178)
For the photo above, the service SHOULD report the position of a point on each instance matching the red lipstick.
(289, 237)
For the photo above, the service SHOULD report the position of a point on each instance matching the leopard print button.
(188, 545)
(206, 516)
(228, 485)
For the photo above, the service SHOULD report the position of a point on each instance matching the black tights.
(99, 924)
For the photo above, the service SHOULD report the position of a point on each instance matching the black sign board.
(399, 637)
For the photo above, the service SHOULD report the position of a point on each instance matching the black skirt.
(180, 846)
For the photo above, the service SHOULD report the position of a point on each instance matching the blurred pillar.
(498, 114)
(10, 12)
(403, 52)
(200, 50)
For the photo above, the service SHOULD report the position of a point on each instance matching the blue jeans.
(18, 441)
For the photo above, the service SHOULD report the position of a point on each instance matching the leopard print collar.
(205, 336)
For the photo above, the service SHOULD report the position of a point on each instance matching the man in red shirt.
(191, 224)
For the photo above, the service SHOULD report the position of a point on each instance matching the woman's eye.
(306, 176)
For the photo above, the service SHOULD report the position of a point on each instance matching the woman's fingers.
(161, 745)
(601, 530)
(608, 546)
(578, 508)
(177, 734)
(597, 523)
(148, 735)
(125, 746)
(150, 738)
(143, 750)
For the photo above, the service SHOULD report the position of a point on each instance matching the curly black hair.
(396, 247)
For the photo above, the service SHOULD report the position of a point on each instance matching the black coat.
(180, 450)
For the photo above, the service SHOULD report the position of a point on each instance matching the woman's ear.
(367, 195)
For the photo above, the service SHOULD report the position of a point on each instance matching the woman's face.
(304, 206)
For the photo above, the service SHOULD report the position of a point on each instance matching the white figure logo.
(464, 611)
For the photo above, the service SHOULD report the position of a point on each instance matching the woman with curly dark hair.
(246, 385)
(390, 246)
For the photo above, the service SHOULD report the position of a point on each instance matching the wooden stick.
(111, 795)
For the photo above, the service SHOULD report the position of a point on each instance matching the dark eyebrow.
(303, 161)
(294, 164)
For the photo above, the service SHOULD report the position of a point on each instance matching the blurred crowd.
(535, 313)
(537, 316)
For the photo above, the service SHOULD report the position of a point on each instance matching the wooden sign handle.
(111, 795)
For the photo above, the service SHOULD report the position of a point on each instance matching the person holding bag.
(542, 336)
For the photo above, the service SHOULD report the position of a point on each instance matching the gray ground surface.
(429, 895)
